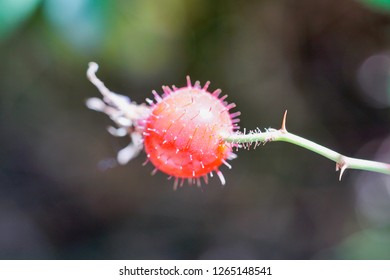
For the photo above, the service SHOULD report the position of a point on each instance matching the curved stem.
(342, 162)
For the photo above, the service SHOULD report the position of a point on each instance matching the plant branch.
(342, 162)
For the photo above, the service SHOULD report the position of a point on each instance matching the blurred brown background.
(326, 61)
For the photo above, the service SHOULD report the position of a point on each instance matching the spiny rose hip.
(183, 135)
(182, 131)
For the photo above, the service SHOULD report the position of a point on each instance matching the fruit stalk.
(342, 162)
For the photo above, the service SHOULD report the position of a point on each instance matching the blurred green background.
(326, 61)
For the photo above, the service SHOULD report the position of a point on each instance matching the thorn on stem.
(283, 128)
(342, 166)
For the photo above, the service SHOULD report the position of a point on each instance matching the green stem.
(342, 162)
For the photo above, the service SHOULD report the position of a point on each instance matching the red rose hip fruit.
(183, 135)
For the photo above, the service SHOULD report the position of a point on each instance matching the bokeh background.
(326, 61)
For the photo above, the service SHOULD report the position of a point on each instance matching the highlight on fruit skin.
(181, 131)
